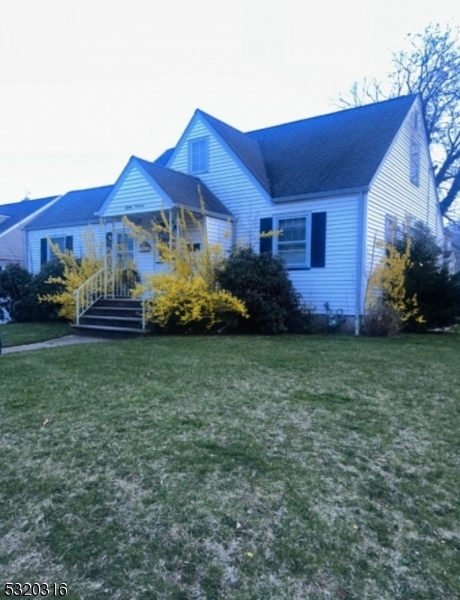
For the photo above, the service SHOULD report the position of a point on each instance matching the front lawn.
(234, 467)
(17, 334)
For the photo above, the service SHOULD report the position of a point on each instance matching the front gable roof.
(172, 187)
(77, 207)
(244, 151)
(17, 212)
(182, 189)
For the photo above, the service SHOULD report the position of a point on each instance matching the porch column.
(114, 241)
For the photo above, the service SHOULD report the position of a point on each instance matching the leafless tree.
(429, 64)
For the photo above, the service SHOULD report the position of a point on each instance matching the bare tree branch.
(428, 65)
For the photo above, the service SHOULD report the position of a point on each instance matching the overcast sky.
(86, 84)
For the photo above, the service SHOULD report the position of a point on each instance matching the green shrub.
(22, 290)
(15, 283)
(262, 282)
(437, 292)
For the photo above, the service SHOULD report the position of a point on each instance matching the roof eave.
(326, 194)
(68, 224)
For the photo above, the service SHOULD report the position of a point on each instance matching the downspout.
(360, 259)
(113, 257)
(26, 250)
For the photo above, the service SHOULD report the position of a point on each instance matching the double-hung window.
(198, 156)
(293, 245)
(64, 242)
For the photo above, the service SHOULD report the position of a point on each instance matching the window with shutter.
(301, 241)
(62, 242)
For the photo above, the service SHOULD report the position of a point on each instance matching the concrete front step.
(114, 311)
(118, 303)
(112, 316)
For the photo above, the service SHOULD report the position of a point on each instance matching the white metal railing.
(108, 282)
(90, 291)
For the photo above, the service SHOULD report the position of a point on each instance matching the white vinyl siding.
(336, 282)
(135, 195)
(393, 195)
(33, 258)
(219, 232)
(248, 203)
(228, 180)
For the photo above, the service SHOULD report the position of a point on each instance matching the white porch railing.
(106, 283)
(90, 291)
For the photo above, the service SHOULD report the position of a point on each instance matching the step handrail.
(90, 291)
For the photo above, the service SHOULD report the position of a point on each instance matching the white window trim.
(190, 154)
(276, 226)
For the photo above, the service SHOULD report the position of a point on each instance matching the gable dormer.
(225, 159)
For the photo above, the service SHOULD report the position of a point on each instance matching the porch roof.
(182, 189)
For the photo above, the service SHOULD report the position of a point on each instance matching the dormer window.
(415, 163)
(198, 156)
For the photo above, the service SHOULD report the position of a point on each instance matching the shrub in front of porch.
(186, 297)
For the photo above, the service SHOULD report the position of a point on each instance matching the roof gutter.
(67, 224)
(328, 194)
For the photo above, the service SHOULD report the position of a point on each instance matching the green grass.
(16, 334)
(234, 467)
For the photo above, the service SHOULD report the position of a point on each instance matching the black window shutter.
(43, 251)
(69, 242)
(318, 240)
(266, 243)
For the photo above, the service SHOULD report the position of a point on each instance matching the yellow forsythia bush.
(389, 278)
(186, 295)
(76, 272)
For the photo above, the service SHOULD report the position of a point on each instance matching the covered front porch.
(149, 203)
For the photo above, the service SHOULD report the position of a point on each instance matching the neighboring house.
(13, 218)
(65, 224)
(332, 184)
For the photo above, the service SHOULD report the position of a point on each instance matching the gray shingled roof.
(74, 208)
(247, 149)
(163, 158)
(338, 151)
(18, 211)
(183, 188)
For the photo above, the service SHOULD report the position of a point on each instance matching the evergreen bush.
(437, 292)
(262, 283)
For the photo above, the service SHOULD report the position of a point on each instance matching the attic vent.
(415, 120)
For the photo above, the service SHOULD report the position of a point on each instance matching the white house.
(333, 184)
